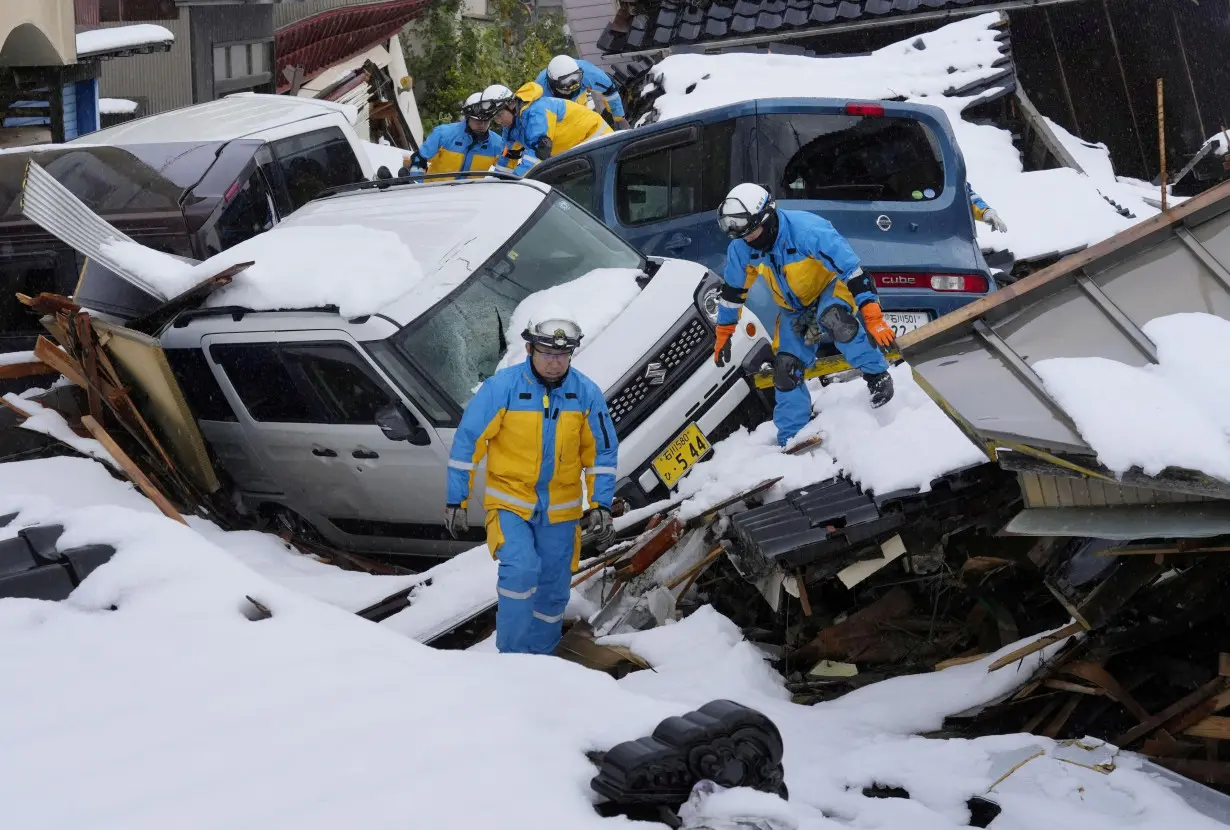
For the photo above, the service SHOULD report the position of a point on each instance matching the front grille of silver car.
(672, 360)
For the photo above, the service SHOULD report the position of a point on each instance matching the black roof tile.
(849, 9)
(663, 22)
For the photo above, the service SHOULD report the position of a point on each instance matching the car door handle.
(678, 241)
(324, 452)
(365, 454)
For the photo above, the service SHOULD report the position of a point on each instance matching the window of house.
(313, 162)
(263, 383)
(114, 11)
(674, 174)
(241, 62)
(850, 157)
(346, 384)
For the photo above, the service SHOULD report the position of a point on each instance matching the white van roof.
(396, 252)
(236, 116)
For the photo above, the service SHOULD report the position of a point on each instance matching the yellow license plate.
(674, 462)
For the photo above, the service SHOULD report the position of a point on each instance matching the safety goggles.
(569, 84)
(556, 334)
(479, 111)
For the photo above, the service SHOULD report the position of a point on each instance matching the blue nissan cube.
(889, 176)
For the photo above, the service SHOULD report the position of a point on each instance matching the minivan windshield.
(460, 342)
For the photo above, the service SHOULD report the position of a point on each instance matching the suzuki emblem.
(655, 374)
(883, 222)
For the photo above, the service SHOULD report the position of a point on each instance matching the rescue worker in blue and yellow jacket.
(817, 286)
(538, 125)
(543, 427)
(467, 144)
(984, 212)
(586, 84)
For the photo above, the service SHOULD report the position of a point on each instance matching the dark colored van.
(889, 176)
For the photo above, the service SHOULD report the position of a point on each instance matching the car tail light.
(873, 110)
(968, 283)
(231, 191)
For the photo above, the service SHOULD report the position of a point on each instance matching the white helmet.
(746, 207)
(496, 96)
(553, 326)
(564, 75)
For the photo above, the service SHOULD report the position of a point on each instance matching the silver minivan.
(345, 424)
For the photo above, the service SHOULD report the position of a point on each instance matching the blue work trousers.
(536, 562)
(792, 409)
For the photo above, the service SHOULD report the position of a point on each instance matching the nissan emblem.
(883, 222)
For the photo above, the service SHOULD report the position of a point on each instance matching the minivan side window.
(851, 157)
(262, 382)
(685, 178)
(575, 179)
(348, 388)
(314, 162)
(249, 213)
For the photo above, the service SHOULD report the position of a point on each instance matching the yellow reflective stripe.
(502, 496)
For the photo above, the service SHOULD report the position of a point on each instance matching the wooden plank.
(959, 661)
(1077, 688)
(1036, 646)
(133, 472)
(89, 349)
(1113, 592)
(12, 371)
(1060, 720)
(53, 356)
(1045, 712)
(1179, 707)
(1214, 726)
(1223, 664)
(1066, 266)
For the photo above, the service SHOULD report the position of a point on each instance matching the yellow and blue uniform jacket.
(807, 256)
(976, 203)
(538, 442)
(567, 124)
(451, 148)
(593, 80)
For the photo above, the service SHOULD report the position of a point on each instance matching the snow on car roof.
(228, 118)
(396, 251)
(1046, 211)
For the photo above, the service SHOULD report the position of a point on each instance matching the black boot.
(881, 388)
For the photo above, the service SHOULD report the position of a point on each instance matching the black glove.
(455, 520)
(600, 526)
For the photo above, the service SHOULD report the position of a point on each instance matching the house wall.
(157, 82)
(586, 21)
(37, 33)
(227, 25)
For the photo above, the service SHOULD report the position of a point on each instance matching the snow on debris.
(116, 106)
(358, 269)
(909, 442)
(116, 38)
(52, 423)
(14, 358)
(1180, 408)
(197, 717)
(1046, 211)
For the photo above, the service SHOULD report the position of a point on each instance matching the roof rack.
(417, 178)
(236, 312)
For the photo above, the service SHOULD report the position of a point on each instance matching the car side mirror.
(399, 424)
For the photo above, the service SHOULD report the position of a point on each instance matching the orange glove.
(873, 318)
(721, 349)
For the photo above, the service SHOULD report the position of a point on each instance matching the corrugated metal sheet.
(161, 81)
(284, 14)
(587, 20)
(977, 362)
(1041, 490)
(56, 210)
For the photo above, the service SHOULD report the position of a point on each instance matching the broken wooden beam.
(130, 468)
(1037, 645)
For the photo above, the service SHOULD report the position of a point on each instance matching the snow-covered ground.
(1046, 210)
(177, 710)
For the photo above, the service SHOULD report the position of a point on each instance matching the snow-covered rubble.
(175, 709)
(1047, 210)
